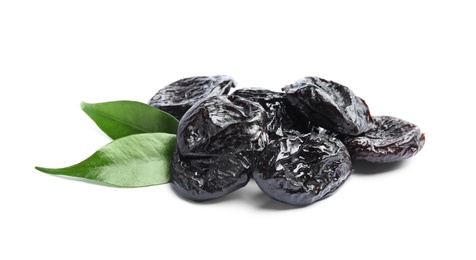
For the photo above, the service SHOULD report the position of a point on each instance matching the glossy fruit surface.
(179, 96)
(217, 143)
(390, 140)
(282, 117)
(330, 105)
(208, 177)
(300, 170)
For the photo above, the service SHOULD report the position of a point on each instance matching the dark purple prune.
(389, 140)
(217, 143)
(222, 125)
(330, 105)
(282, 117)
(179, 96)
(208, 177)
(300, 170)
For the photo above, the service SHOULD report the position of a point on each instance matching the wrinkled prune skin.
(222, 125)
(217, 143)
(389, 140)
(330, 105)
(179, 96)
(282, 118)
(208, 177)
(300, 170)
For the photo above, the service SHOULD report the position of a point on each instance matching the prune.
(217, 143)
(222, 125)
(208, 177)
(179, 96)
(282, 117)
(330, 105)
(300, 170)
(389, 140)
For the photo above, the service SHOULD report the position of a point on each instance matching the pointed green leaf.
(122, 118)
(132, 161)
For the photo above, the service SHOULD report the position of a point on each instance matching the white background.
(414, 60)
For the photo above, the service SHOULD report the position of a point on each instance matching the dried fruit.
(217, 142)
(179, 96)
(390, 139)
(208, 177)
(293, 143)
(222, 125)
(300, 170)
(330, 105)
(282, 117)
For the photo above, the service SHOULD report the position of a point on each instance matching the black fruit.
(208, 177)
(389, 140)
(296, 144)
(179, 96)
(300, 170)
(217, 143)
(330, 105)
(282, 118)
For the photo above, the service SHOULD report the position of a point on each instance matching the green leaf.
(132, 161)
(123, 118)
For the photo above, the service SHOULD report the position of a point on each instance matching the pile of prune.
(298, 145)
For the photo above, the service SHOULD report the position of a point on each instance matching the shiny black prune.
(177, 97)
(300, 170)
(222, 125)
(330, 105)
(217, 143)
(389, 140)
(282, 117)
(208, 177)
